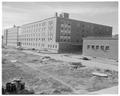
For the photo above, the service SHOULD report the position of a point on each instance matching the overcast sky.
(20, 13)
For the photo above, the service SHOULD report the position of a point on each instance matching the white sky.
(20, 13)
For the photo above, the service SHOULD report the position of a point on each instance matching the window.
(93, 47)
(68, 40)
(107, 48)
(97, 47)
(77, 40)
(62, 25)
(69, 29)
(50, 46)
(61, 28)
(83, 30)
(55, 46)
(88, 46)
(102, 47)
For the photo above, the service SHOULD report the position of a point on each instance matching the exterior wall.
(109, 49)
(69, 30)
(68, 47)
(5, 37)
(72, 32)
(63, 32)
(40, 35)
(11, 36)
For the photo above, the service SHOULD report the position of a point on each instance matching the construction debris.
(99, 74)
(16, 86)
(45, 58)
(85, 58)
(75, 65)
(13, 61)
(4, 61)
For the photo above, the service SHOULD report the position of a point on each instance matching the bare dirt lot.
(50, 76)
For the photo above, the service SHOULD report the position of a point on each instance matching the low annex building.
(105, 47)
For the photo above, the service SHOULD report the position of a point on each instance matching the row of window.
(98, 47)
(52, 46)
(65, 40)
(38, 34)
(65, 22)
(65, 34)
(65, 37)
(36, 26)
(65, 29)
(34, 30)
(33, 44)
(40, 29)
(35, 39)
(40, 45)
(65, 25)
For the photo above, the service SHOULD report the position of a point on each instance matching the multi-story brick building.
(105, 47)
(11, 36)
(60, 33)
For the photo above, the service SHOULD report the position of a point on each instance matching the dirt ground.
(50, 76)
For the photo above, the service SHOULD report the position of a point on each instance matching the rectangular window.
(97, 47)
(93, 47)
(107, 48)
(65, 28)
(88, 46)
(61, 28)
(68, 40)
(55, 46)
(102, 47)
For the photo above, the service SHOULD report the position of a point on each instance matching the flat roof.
(100, 38)
(90, 22)
(68, 19)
